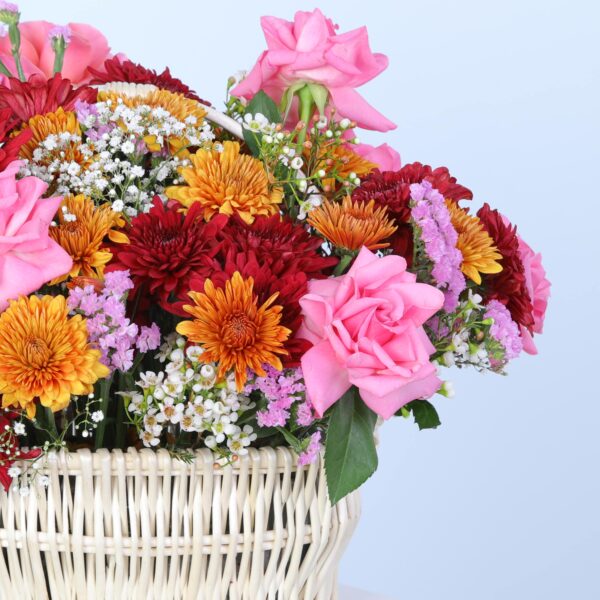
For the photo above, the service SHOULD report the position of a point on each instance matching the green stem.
(307, 104)
(104, 399)
(59, 48)
(4, 70)
(15, 45)
(343, 264)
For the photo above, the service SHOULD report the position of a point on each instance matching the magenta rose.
(308, 50)
(29, 258)
(366, 328)
(539, 291)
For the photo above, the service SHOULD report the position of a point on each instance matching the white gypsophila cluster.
(125, 155)
(186, 396)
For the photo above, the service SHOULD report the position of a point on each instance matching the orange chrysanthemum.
(175, 104)
(45, 355)
(233, 330)
(352, 225)
(480, 255)
(345, 161)
(227, 182)
(54, 123)
(83, 238)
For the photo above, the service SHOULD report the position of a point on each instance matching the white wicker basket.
(142, 525)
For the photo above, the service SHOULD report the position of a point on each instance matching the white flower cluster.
(110, 162)
(187, 395)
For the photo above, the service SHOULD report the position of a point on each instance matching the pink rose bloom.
(384, 156)
(539, 291)
(309, 50)
(87, 47)
(367, 331)
(29, 258)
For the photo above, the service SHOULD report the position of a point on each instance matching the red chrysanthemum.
(510, 285)
(9, 151)
(130, 72)
(281, 257)
(166, 250)
(9, 445)
(392, 190)
(39, 96)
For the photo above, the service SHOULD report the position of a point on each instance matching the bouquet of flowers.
(166, 283)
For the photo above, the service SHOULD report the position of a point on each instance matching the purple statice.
(304, 414)
(431, 215)
(8, 7)
(60, 31)
(87, 115)
(312, 451)
(281, 389)
(108, 326)
(504, 329)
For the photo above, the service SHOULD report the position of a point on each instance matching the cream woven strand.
(142, 525)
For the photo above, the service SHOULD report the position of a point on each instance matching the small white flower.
(193, 353)
(296, 163)
(118, 205)
(14, 472)
(127, 147)
(19, 428)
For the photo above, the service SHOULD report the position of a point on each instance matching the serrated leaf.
(425, 415)
(350, 453)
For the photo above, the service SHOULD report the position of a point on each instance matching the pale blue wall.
(503, 502)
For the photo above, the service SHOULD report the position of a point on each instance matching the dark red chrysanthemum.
(281, 257)
(10, 148)
(130, 72)
(39, 96)
(510, 285)
(9, 445)
(392, 189)
(166, 250)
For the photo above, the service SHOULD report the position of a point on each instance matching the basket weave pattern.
(143, 525)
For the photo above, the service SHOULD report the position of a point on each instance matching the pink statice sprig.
(108, 326)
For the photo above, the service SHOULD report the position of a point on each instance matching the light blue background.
(502, 502)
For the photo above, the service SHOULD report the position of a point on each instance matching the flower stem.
(4, 70)
(59, 46)
(104, 398)
(15, 45)
(307, 104)
(343, 264)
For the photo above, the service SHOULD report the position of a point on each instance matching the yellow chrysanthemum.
(227, 182)
(177, 105)
(84, 238)
(45, 355)
(480, 255)
(55, 124)
(352, 225)
(234, 331)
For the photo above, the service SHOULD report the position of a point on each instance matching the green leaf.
(320, 94)
(350, 453)
(425, 415)
(291, 439)
(261, 103)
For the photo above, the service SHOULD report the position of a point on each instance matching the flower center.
(73, 227)
(238, 331)
(37, 352)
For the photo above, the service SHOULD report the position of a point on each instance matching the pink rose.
(87, 47)
(539, 291)
(29, 258)
(309, 50)
(384, 156)
(367, 331)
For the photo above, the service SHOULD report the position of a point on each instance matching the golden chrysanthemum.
(84, 238)
(480, 255)
(234, 331)
(345, 161)
(352, 224)
(227, 182)
(45, 355)
(175, 104)
(54, 123)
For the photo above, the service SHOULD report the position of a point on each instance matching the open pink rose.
(384, 156)
(87, 47)
(309, 50)
(29, 258)
(539, 291)
(367, 331)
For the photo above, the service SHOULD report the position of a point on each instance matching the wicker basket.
(143, 525)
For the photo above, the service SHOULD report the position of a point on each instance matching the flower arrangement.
(165, 284)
